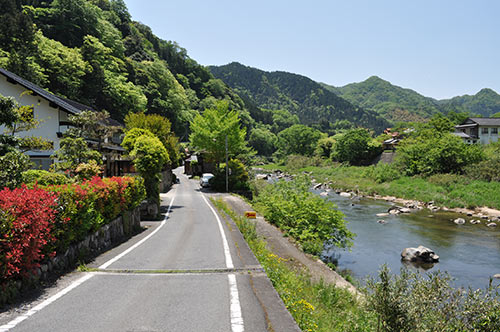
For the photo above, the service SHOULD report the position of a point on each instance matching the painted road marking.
(80, 281)
(45, 303)
(114, 259)
(236, 317)
(237, 324)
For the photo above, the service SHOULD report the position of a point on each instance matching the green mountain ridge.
(311, 102)
(397, 103)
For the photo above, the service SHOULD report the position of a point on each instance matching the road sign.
(251, 214)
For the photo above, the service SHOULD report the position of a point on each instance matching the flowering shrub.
(26, 220)
(86, 206)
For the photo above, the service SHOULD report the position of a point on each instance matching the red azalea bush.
(86, 206)
(26, 221)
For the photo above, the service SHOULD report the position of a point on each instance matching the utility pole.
(227, 170)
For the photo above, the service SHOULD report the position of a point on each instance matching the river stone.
(324, 193)
(385, 214)
(497, 276)
(491, 224)
(475, 221)
(382, 221)
(404, 210)
(420, 254)
(459, 221)
(344, 194)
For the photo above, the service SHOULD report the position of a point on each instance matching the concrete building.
(479, 130)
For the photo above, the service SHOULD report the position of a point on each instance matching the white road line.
(227, 253)
(45, 303)
(80, 281)
(237, 324)
(114, 259)
(236, 317)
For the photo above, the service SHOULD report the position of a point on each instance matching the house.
(53, 113)
(478, 130)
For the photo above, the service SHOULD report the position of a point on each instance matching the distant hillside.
(391, 101)
(399, 104)
(310, 101)
(94, 53)
(486, 103)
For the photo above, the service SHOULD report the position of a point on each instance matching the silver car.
(205, 178)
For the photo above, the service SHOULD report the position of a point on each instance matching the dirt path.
(284, 248)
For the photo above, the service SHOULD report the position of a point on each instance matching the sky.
(440, 48)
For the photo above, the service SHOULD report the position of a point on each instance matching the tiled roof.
(65, 104)
(487, 121)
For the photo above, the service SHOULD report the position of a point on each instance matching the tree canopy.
(210, 130)
(298, 139)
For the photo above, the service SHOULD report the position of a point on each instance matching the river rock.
(497, 276)
(385, 214)
(382, 221)
(459, 221)
(475, 221)
(261, 176)
(324, 193)
(491, 224)
(317, 186)
(344, 194)
(405, 210)
(420, 254)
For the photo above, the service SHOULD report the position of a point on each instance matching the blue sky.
(439, 48)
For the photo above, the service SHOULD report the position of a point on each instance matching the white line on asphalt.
(80, 281)
(117, 257)
(227, 253)
(45, 303)
(236, 317)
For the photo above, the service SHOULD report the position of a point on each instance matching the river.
(469, 253)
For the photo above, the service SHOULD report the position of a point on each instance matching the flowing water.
(469, 253)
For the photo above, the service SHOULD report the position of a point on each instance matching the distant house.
(478, 130)
(53, 112)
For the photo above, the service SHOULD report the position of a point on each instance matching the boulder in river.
(344, 194)
(497, 276)
(382, 221)
(420, 254)
(382, 214)
(405, 210)
(459, 221)
(324, 193)
(491, 224)
(475, 221)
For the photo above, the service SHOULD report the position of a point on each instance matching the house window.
(484, 130)
(494, 131)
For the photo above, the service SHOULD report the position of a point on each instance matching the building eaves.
(58, 101)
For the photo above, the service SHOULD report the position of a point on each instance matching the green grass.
(314, 306)
(445, 189)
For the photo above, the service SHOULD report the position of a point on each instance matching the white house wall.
(47, 115)
(488, 138)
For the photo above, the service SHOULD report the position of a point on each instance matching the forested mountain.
(391, 101)
(92, 52)
(311, 102)
(400, 104)
(486, 103)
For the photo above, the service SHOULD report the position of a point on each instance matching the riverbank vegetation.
(406, 302)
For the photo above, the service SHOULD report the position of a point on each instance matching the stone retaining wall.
(94, 244)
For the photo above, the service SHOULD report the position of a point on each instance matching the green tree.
(263, 141)
(160, 127)
(325, 148)
(282, 119)
(355, 147)
(298, 139)
(150, 156)
(73, 152)
(210, 130)
(132, 135)
(436, 154)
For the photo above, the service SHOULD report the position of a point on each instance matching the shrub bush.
(26, 220)
(308, 218)
(86, 206)
(44, 178)
(412, 302)
(237, 179)
(487, 170)
(382, 172)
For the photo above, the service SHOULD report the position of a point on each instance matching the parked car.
(205, 178)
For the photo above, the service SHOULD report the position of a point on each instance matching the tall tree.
(210, 130)
(298, 139)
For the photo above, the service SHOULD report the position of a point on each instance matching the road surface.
(190, 272)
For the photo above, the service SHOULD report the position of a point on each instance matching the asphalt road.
(191, 272)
